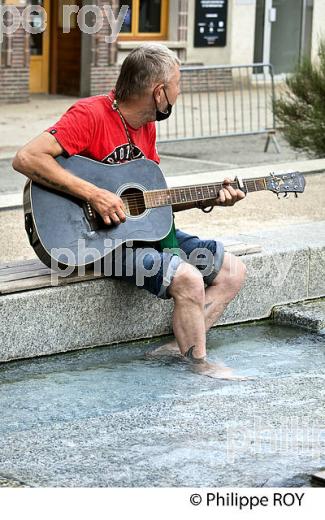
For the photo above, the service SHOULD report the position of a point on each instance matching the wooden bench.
(26, 275)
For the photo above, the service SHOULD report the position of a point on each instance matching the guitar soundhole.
(134, 202)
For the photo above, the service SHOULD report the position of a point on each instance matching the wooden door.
(39, 52)
(66, 53)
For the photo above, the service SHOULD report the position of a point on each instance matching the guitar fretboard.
(196, 193)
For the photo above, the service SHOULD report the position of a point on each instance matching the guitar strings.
(138, 198)
(168, 196)
(178, 191)
(201, 187)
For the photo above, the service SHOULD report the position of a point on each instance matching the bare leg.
(187, 290)
(224, 288)
(194, 315)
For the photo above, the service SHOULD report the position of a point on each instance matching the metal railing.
(220, 101)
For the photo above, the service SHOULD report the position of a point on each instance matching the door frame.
(268, 33)
(54, 48)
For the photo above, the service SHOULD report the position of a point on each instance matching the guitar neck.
(198, 192)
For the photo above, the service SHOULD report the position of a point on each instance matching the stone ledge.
(307, 315)
(131, 44)
(248, 172)
(103, 312)
(11, 200)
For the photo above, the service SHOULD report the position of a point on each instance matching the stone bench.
(287, 265)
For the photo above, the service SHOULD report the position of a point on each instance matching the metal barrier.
(220, 101)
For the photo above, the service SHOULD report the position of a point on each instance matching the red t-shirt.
(93, 129)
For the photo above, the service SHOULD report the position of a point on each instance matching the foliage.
(301, 108)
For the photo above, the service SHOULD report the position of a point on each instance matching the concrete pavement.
(21, 122)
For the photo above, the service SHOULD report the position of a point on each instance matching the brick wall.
(14, 85)
(14, 68)
(103, 70)
(212, 80)
(103, 79)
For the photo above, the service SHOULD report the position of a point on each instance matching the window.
(36, 40)
(146, 19)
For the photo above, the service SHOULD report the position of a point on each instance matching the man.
(119, 127)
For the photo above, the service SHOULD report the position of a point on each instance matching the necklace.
(116, 108)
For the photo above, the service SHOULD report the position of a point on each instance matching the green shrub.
(301, 108)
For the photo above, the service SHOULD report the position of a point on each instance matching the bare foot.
(217, 371)
(168, 349)
(204, 368)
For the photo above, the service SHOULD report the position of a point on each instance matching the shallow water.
(111, 417)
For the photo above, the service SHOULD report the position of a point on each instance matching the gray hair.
(148, 64)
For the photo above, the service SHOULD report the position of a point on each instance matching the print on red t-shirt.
(93, 129)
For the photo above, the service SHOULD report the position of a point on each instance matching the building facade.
(86, 62)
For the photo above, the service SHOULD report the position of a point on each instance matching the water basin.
(109, 416)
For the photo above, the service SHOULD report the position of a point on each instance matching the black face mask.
(160, 116)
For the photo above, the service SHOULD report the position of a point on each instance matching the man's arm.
(36, 161)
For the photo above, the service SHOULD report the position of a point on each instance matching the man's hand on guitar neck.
(227, 196)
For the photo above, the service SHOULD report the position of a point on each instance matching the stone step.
(307, 315)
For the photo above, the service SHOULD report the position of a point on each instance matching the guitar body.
(65, 230)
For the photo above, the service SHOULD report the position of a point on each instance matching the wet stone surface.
(112, 417)
(9, 482)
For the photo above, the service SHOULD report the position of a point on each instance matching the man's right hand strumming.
(109, 206)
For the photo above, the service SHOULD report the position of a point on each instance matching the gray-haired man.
(120, 126)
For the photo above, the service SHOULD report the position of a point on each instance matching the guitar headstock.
(289, 182)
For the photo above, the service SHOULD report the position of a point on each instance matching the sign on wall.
(210, 23)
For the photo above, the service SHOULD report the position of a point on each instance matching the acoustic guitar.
(66, 231)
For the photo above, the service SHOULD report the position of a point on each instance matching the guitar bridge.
(94, 220)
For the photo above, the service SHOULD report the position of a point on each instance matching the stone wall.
(51, 320)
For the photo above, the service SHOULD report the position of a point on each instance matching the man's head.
(149, 72)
